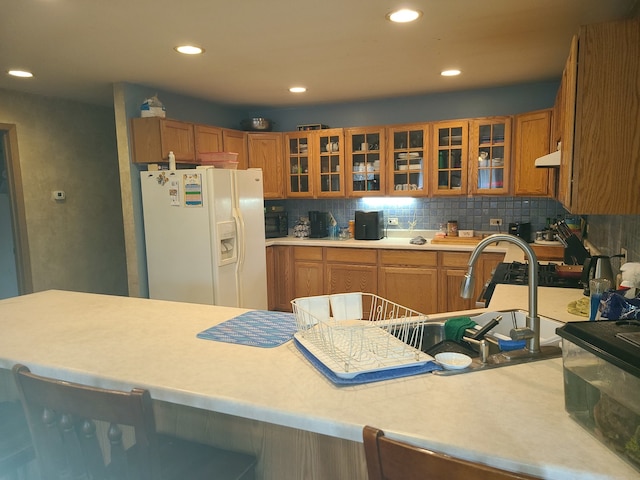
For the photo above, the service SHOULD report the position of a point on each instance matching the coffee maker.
(522, 230)
(319, 224)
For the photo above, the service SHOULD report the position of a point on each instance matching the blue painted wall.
(508, 100)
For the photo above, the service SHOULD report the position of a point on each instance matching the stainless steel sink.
(434, 334)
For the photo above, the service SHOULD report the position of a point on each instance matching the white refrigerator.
(204, 236)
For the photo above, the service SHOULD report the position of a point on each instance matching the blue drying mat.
(258, 328)
(508, 345)
(367, 377)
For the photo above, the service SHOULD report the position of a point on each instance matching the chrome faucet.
(532, 331)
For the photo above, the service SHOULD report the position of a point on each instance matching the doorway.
(15, 268)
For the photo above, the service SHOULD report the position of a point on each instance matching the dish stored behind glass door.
(407, 160)
(490, 158)
(451, 147)
(365, 162)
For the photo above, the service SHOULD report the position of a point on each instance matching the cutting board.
(455, 240)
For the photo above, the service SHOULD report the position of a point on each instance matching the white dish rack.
(354, 333)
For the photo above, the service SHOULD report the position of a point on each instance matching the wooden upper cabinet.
(568, 87)
(236, 141)
(489, 155)
(407, 155)
(450, 149)
(532, 132)
(208, 139)
(265, 152)
(328, 162)
(154, 137)
(600, 165)
(299, 166)
(365, 161)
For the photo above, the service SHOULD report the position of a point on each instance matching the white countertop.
(510, 417)
(401, 240)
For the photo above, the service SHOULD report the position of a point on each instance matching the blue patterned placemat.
(367, 377)
(258, 328)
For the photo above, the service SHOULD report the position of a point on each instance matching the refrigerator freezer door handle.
(240, 242)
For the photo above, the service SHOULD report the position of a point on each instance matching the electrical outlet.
(495, 222)
(623, 260)
(392, 221)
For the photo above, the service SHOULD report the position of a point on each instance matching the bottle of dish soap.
(172, 161)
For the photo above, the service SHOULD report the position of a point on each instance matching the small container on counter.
(352, 228)
(452, 228)
(442, 230)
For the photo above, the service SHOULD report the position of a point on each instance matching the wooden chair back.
(389, 459)
(62, 418)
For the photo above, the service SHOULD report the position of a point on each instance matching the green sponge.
(454, 328)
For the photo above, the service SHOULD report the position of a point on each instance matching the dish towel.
(258, 328)
(454, 328)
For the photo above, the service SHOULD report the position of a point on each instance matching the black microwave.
(276, 224)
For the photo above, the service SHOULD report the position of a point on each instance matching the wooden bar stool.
(63, 418)
(393, 460)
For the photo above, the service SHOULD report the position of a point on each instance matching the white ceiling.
(341, 50)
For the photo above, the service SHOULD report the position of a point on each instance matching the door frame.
(18, 216)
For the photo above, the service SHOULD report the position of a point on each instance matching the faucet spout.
(533, 320)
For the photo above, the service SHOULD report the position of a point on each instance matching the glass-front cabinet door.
(364, 161)
(450, 158)
(490, 144)
(329, 148)
(298, 164)
(407, 165)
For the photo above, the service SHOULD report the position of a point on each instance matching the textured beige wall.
(76, 244)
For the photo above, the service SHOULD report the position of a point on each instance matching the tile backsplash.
(428, 213)
(610, 233)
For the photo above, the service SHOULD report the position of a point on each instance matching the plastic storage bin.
(601, 367)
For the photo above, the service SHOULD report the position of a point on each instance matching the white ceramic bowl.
(453, 361)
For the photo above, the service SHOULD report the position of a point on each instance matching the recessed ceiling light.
(450, 73)
(20, 73)
(297, 89)
(189, 49)
(404, 15)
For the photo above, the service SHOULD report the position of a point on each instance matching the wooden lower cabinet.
(409, 278)
(426, 281)
(453, 267)
(280, 279)
(308, 271)
(351, 270)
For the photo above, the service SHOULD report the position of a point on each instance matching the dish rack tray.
(354, 333)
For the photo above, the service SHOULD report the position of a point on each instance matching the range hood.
(549, 161)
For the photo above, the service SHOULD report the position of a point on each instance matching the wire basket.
(353, 333)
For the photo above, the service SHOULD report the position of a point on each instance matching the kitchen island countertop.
(511, 417)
